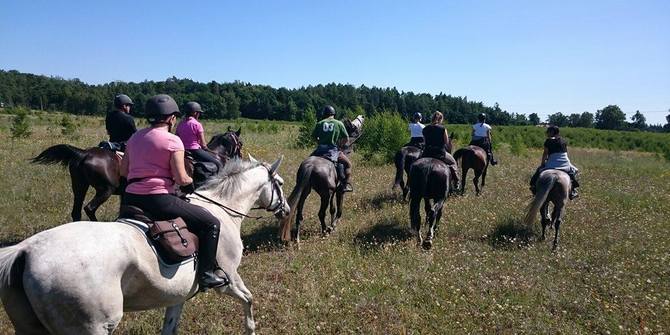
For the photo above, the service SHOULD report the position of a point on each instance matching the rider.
(120, 125)
(416, 131)
(192, 134)
(153, 164)
(437, 139)
(555, 156)
(331, 135)
(481, 137)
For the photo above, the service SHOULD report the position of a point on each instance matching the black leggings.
(202, 155)
(168, 206)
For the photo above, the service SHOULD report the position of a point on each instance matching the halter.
(273, 209)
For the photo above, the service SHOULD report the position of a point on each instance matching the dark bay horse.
(429, 180)
(319, 174)
(552, 186)
(403, 160)
(99, 168)
(472, 157)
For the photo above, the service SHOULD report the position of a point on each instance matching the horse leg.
(430, 218)
(476, 182)
(415, 218)
(435, 214)
(101, 195)
(464, 174)
(325, 199)
(338, 214)
(171, 319)
(79, 189)
(238, 290)
(558, 219)
(332, 212)
(544, 212)
(298, 217)
(486, 168)
(20, 311)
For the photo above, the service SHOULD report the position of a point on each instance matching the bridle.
(276, 188)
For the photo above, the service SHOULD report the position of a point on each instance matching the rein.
(226, 208)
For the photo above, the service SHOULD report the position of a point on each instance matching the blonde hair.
(437, 117)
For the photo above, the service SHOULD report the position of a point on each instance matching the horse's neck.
(240, 201)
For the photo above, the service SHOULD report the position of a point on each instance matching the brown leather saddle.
(171, 238)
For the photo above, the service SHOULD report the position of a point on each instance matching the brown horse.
(472, 157)
(404, 159)
(552, 186)
(430, 179)
(99, 168)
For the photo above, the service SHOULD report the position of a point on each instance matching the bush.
(20, 125)
(383, 135)
(68, 127)
(305, 139)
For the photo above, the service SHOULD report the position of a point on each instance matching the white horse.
(80, 277)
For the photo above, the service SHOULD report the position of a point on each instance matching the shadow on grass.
(378, 200)
(384, 233)
(510, 233)
(263, 238)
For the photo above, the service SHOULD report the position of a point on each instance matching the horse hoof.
(427, 244)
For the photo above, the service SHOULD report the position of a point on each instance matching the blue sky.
(529, 56)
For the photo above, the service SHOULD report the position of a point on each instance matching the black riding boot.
(207, 261)
(574, 184)
(344, 185)
(454, 179)
(491, 159)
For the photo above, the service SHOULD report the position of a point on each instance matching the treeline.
(239, 99)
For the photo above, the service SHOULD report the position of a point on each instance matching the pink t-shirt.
(189, 131)
(149, 152)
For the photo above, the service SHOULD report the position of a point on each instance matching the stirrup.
(346, 187)
(209, 279)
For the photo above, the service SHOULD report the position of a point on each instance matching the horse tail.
(63, 154)
(399, 160)
(10, 262)
(302, 183)
(543, 188)
(460, 153)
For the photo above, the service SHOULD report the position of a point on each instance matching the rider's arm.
(545, 155)
(446, 136)
(488, 134)
(177, 168)
(123, 170)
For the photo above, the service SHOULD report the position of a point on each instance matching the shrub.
(20, 125)
(68, 127)
(383, 135)
(305, 133)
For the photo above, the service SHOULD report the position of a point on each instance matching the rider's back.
(120, 126)
(154, 146)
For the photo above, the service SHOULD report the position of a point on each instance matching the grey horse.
(552, 186)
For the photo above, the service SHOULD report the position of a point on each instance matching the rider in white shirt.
(416, 131)
(481, 137)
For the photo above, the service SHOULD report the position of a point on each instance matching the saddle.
(171, 238)
(202, 171)
(113, 146)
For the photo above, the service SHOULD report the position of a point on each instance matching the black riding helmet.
(160, 107)
(417, 116)
(328, 110)
(481, 117)
(121, 100)
(192, 107)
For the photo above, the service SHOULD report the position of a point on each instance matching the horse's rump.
(429, 177)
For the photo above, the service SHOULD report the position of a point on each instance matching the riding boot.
(491, 159)
(344, 184)
(207, 276)
(533, 180)
(454, 179)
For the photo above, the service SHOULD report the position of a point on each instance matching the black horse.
(100, 168)
(429, 179)
(403, 160)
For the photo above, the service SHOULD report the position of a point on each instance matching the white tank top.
(416, 129)
(481, 129)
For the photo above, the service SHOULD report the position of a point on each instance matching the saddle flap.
(174, 238)
(135, 213)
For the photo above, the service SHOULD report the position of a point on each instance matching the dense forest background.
(239, 99)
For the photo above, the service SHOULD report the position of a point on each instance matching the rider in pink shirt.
(192, 135)
(153, 164)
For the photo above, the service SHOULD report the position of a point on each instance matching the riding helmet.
(328, 110)
(191, 107)
(417, 116)
(482, 117)
(121, 100)
(159, 107)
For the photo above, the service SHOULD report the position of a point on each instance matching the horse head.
(228, 144)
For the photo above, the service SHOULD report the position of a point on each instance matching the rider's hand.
(187, 189)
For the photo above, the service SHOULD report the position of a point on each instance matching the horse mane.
(230, 178)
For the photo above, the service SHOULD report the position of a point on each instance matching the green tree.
(610, 117)
(68, 127)
(586, 120)
(667, 122)
(534, 119)
(639, 121)
(305, 138)
(20, 125)
(573, 119)
(558, 119)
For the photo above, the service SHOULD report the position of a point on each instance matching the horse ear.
(252, 159)
(239, 131)
(276, 164)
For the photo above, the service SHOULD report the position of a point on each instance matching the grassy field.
(485, 274)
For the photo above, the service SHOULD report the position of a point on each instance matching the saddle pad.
(143, 229)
